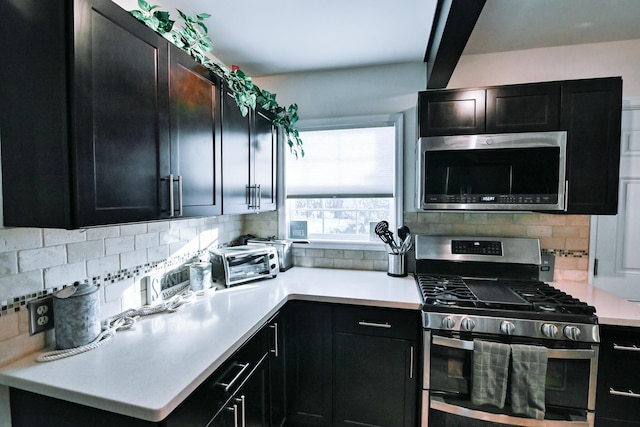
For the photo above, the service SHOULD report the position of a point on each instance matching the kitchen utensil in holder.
(397, 264)
(77, 315)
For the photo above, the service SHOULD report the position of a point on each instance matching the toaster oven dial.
(549, 330)
(467, 324)
(448, 322)
(507, 327)
(572, 332)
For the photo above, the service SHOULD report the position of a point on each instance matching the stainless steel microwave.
(502, 172)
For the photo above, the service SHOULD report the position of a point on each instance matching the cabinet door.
(121, 116)
(309, 364)
(591, 115)
(277, 371)
(235, 158)
(375, 383)
(523, 108)
(451, 112)
(195, 138)
(618, 393)
(263, 158)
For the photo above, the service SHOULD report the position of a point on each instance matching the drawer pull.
(227, 386)
(374, 324)
(625, 347)
(629, 393)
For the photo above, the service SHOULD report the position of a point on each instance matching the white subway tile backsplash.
(148, 240)
(100, 266)
(117, 245)
(83, 251)
(33, 259)
(118, 290)
(21, 284)
(64, 274)
(8, 263)
(54, 236)
(155, 227)
(15, 239)
(158, 253)
(101, 233)
(133, 229)
(134, 258)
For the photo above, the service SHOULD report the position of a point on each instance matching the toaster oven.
(235, 265)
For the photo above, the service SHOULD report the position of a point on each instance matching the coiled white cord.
(120, 322)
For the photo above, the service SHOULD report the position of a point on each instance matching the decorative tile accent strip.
(566, 253)
(14, 305)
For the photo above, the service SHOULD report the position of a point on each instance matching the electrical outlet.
(40, 315)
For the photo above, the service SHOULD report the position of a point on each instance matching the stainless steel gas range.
(500, 347)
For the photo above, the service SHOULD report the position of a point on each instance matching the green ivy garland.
(193, 39)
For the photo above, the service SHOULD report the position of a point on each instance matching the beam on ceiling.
(452, 25)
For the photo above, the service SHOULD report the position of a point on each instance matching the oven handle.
(505, 419)
(553, 353)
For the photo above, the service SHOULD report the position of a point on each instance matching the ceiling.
(266, 37)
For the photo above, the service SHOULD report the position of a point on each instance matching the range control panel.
(476, 247)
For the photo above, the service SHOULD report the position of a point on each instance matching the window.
(348, 180)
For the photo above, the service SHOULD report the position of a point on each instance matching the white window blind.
(344, 162)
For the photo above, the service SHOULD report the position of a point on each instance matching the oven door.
(569, 391)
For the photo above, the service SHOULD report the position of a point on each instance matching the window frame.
(396, 120)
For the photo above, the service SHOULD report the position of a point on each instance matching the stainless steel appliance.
(492, 172)
(234, 265)
(284, 248)
(485, 290)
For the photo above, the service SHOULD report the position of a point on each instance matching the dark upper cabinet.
(249, 145)
(591, 115)
(104, 123)
(588, 110)
(451, 112)
(84, 121)
(196, 142)
(523, 108)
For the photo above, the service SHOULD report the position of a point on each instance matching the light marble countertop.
(148, 371)
(610, 309)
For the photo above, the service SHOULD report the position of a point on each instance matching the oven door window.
(567, 380)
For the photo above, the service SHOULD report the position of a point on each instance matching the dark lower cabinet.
(309, 352)
(351, 366)
(618, 390)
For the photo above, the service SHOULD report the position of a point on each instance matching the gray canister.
(77, 315)
(199, 276)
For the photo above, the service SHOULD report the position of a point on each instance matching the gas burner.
(447, 299)
(547, 308)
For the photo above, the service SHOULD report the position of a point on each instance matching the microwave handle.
(553, 353)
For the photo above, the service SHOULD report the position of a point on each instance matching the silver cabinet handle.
(628, 393)
(274, 326)
(625, 347)
(411, 363)
(180, 212)
(227, 386)
(244, 417)
(234, 409)
(171, 200)
(258, 196)
(374, 324)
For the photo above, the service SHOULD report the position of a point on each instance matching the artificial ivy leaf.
(203, 16)
(142, 4)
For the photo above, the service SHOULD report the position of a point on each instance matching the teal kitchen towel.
(528, 377)
(490, 373)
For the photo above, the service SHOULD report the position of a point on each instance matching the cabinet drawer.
(618, 390)
(209, 399)
(382, 322)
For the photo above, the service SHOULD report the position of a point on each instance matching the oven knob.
(448, 322)
(467, 324)
(549, 330)
(507, 327)
(572, 332)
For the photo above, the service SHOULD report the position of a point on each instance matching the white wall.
(548, 64)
